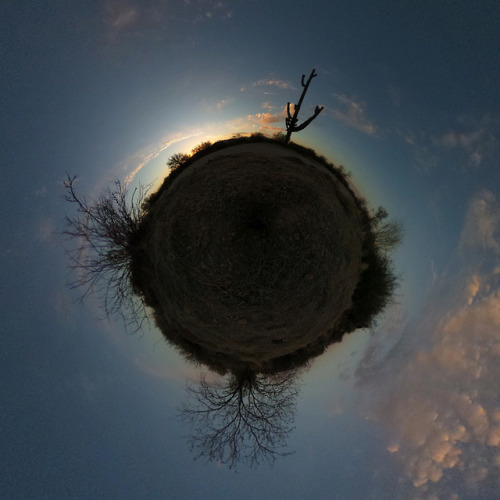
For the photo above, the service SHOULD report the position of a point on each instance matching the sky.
(111, 89)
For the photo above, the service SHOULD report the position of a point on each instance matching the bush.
(202, 146)
(176, 160)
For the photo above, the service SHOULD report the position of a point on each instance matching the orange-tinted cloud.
(266, 118)
(442, 411)
(440, 403)
(259, 122)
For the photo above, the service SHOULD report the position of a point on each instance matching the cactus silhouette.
(291, 121)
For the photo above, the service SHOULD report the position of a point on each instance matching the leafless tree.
(388, 233)
(107, 231)
(292, 120)
(249, 419)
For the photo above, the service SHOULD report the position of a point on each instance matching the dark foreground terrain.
(251, 256)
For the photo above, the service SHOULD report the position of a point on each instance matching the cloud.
(259, 122)
(46, 230)
(481, 224)
(120, 14)
(272, 82)
(353, 114)
(216, 9)
(141, 159)
(453, 139)
(442, 411)
(419, 143)
(266, 118)
(63, 306)
(223, 103)
(173, 20)
(472, 143)
(474, 139)
(41, 192)
(211, 106)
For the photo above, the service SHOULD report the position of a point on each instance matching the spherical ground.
(253, 253)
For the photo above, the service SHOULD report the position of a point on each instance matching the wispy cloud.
(272, 82)
(41, 192)
(212, 106)
(46, 230)
(267, 85)
(352, 113)
(63, 306)
(473, 139)
(482, 225)
(141, 159)
(473, 144)
(151, 17)
(120, 14)
(442, 410)
(222, 103)
(418, 142)
(470, 142)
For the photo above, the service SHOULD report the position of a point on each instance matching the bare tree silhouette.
(291, 121)
(106, 232)
(388, 233)
(249, 419)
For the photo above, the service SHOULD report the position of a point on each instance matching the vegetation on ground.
(250, 416)
(110, 228)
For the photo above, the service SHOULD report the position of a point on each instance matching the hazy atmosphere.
(110, 90)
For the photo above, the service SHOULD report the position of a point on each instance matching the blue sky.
(112, 88)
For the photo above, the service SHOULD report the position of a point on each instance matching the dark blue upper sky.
(112, 88)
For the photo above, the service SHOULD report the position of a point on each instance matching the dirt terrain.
(250, 255)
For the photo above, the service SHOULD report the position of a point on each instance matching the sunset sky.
(111, 89)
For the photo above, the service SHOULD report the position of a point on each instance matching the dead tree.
(291, 121)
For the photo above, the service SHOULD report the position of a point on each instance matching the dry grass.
(253, 258)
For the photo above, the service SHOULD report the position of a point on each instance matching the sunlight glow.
(157, 150)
